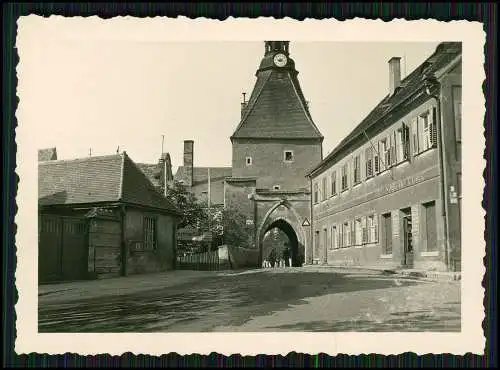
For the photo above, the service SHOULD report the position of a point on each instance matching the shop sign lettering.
(400, 184)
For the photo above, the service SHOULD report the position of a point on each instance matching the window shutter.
(353, 234)
(365, 230)
(433, 130)
(375, 225)
(387, 157)
(353, 172)
(341, 236)
(394, 146)
(406, 141)
(348, 167)
(422, 135)
(332, 238)
(414, 127)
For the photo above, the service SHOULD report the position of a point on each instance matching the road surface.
(288, 299)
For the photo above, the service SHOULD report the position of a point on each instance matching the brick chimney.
(244, 105)
(188, 162)
(394, 74)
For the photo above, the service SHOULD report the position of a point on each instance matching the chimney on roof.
(244, 105)
(49, 154)
(188, 162)
(394, 74)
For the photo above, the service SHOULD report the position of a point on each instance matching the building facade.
(389, 193)
(273, 146)
(101, 217)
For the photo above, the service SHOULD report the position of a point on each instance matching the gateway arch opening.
(280, 246)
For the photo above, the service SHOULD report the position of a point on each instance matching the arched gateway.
(281, 215)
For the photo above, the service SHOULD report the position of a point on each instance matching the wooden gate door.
(74, 249)
(49, 248)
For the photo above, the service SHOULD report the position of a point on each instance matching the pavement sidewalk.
(413, 273)
(88, 289)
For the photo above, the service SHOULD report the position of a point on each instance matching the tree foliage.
(194, 212)
(227, 226)
(236, 230)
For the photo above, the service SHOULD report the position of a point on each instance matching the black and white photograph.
(261, 185)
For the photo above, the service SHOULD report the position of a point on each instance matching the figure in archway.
(287, 255)
(272, 258)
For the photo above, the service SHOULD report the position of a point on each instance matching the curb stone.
(421, 275)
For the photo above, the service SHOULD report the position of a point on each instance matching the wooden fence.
(199, 261)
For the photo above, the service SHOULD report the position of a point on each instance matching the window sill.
(356, 184)
(382, 172)
(430, 254)
(344, 190)
(424, 151)
(407, 160)
(385, 256)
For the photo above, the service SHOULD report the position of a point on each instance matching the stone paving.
(289, 299)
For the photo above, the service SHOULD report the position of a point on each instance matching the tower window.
(248, 161)
(288, 156)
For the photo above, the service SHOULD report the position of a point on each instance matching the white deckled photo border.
(470, 339)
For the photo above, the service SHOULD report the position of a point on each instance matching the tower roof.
(277, 108)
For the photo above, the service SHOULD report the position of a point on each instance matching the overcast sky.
(88, 93)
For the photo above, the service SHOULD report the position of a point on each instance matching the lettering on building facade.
(401, 184)
(381, 191)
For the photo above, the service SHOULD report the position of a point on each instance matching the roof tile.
(109, 178)
(277, 109)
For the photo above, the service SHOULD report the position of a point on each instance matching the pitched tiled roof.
(445, 53)
(111, 178)
(152, 172)
(277, 109)
(200, 174)
(137, 189)
(49, 154)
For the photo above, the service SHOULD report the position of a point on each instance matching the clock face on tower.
(280, 60)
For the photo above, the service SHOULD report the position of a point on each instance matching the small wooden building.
(102, 217)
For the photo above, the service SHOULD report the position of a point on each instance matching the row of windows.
(287, 157)
(361, 230)
(381, 155)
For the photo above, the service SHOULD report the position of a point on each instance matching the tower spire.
(276, 46)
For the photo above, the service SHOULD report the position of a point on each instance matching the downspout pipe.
(432, 88)
(311, 228)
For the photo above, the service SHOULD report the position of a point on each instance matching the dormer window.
(276, 187)
(288, 156)
(248, 161)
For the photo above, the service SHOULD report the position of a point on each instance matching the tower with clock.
(276, 140)
(273, 146)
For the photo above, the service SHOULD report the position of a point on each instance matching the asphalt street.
(287, 299)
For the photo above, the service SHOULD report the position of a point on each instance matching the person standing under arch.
(286, 256)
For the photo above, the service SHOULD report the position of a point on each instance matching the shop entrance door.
(407, 238)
